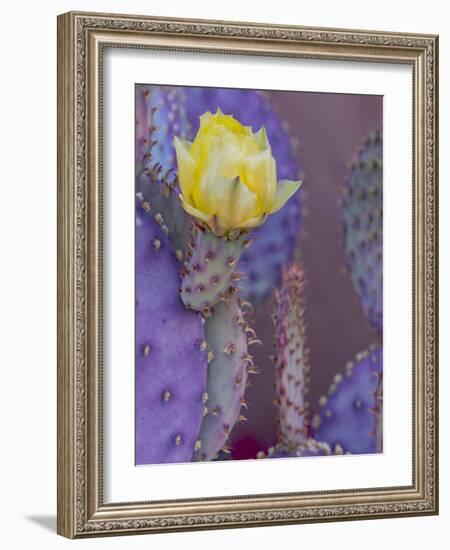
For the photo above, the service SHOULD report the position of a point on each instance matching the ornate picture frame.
(82, 39)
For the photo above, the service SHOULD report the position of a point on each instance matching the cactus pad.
(210, 270)
(291, 359)
(350, 415)
(362, 219)
(169, 392)
(160, 114)
(308, 447)
(291, 371)
(159, 195)
(226, 343)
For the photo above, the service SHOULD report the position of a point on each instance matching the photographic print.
(259, 269)
(247, 276)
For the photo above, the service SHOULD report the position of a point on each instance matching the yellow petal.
(253, 222)
(261, 138)
(228, 175)
(229, 200)
(205, 118)
(285, 190)
(186, 167)
(260, 175)
(249, 145)
(230, 123)
(244, 204)
(194, 211)
(201, 136)
(187, 144)
(221, 159)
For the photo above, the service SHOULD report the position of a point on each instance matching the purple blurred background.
(329, 129)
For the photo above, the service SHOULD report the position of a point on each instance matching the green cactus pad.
(210, 270)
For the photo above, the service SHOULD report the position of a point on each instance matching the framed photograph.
(247, 274)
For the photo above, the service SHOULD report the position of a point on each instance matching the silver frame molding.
(81, 39)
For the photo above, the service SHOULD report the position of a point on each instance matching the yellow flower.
(227, 175)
